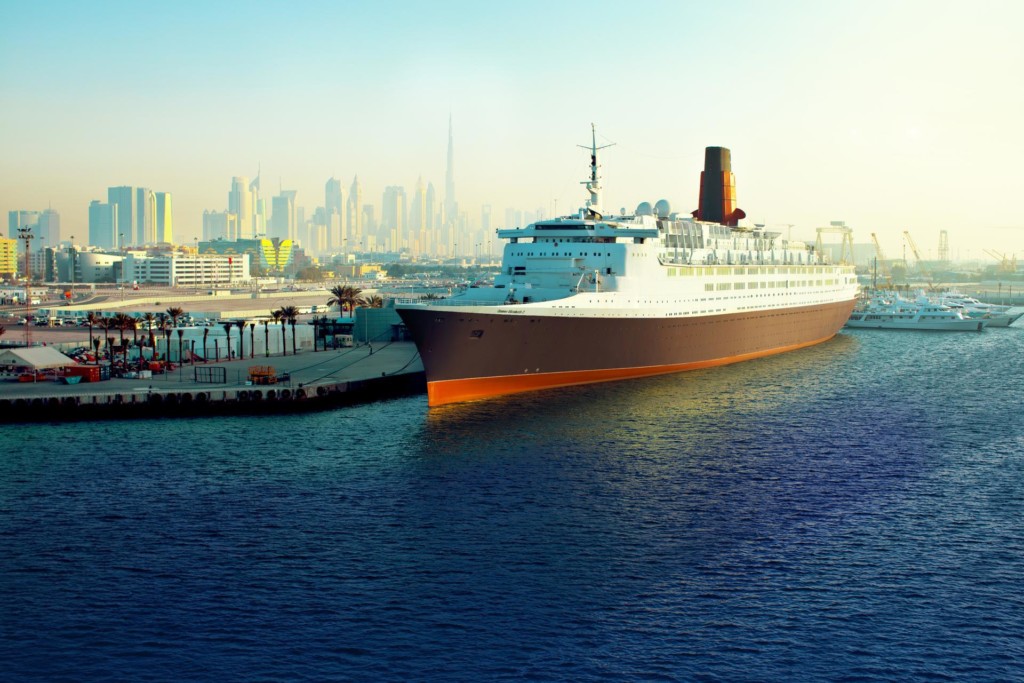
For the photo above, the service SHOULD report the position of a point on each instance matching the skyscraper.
(49, 227)
(145, 219)
(418, 237)
(21, 219)
(240, 203)
(122, 197)
(354, 215)
(392, 218)
(334, 214)
(451, 206)
(429, 208)
(163, 218)
(283, 217)
(103, 224)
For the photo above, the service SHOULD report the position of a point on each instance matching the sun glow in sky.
(889, 115)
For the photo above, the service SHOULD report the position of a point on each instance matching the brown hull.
(471, 355)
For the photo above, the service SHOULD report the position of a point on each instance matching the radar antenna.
(594, 184)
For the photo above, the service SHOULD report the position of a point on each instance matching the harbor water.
(851, 511)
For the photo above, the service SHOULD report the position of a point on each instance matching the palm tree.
(252, 339)
(227, 328)
(276, 315)
(345, 296)
(105, 323)
(167, 341)
(174, 313)
(121, 323)
(290, 314)
(266, 337)
(133, 325)
(92, 318)
(148, 319)
(374, 301)
(241, 338)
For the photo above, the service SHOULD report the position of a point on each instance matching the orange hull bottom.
(457, 390)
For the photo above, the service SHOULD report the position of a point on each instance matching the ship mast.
(593, 184)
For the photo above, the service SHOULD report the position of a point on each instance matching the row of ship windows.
(785, 284)
(702, 271)
(568, 253)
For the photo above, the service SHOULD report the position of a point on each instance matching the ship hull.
(470, 355)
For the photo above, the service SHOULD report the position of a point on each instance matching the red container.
(88, 373)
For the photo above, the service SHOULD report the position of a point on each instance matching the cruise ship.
(593, 297)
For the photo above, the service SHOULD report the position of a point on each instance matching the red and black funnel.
(718, 189)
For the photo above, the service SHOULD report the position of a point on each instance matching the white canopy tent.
(35, 358)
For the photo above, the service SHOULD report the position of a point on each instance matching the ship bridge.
(632, 229)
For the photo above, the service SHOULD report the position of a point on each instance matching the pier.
(297, 383)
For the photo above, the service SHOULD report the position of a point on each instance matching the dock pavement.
(308, 380)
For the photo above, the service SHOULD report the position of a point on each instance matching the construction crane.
(920, 264)
(882, 265)
(1007, 264)
(846, 247)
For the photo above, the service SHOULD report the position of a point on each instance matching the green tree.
(276, 316)
(174, 313)
(93, 319)
(227, 328)
(291, 315)
(241, 337)
(345, 296)
(148, 319)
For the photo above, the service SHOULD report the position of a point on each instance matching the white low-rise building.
(181, 270)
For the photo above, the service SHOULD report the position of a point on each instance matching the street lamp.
(71, 260)
(120, 242)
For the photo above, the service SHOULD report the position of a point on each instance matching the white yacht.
(895, 313)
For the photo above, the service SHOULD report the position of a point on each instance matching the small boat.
(895, 313)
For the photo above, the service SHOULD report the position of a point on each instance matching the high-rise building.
(145, 219)
(103, 225)
(222, 225)
(451, 206)
(354, 215)
(240, 203)
(8, 257)
(334, 214)
(418, 236)
(283, 217)
(163, 218)
(393, 218)
(122, 197)
(49, 227)
(21, 219)
(259, 209)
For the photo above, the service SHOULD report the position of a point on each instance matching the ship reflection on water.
(715, 396)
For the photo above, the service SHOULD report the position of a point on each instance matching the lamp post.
(120, 242)
(26, 235)
(71, 260)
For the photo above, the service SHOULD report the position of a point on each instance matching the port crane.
(882, 265)
(920, 264)
(1007, 264)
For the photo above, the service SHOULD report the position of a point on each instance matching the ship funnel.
(718, 189)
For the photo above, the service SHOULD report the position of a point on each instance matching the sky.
(890, 115)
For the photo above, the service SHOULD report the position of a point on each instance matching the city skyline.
(889, 116)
